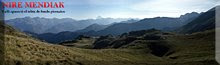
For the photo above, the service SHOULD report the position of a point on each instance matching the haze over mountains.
(54, 25)
(205, 21)
(93, 27)
(45, 25)
(59, 30)
(153, 47)
(160, 23)
(131, 42)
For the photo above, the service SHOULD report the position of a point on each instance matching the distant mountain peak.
(205, 21)
(99, 17)
(190, 14)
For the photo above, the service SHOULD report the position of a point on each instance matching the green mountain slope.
(205, 21)
(24, 50)
(159, 48)
(145, 47)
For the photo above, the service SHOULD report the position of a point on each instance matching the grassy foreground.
(195, 49)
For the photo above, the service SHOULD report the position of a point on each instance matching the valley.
(187, 40)
(22, 49)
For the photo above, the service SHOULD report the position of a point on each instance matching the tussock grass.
(195, 49)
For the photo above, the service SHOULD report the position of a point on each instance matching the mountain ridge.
(161, 23)
(129, 48)
(54, 25)
(205, 21)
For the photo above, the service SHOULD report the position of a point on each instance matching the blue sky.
(84, 9)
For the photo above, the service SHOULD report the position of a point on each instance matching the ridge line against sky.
(88, 9)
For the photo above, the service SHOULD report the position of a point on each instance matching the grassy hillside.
(2, 45)
(81, 42)
(195, 49)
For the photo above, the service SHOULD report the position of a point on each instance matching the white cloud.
(129, 8)
(173, 7)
